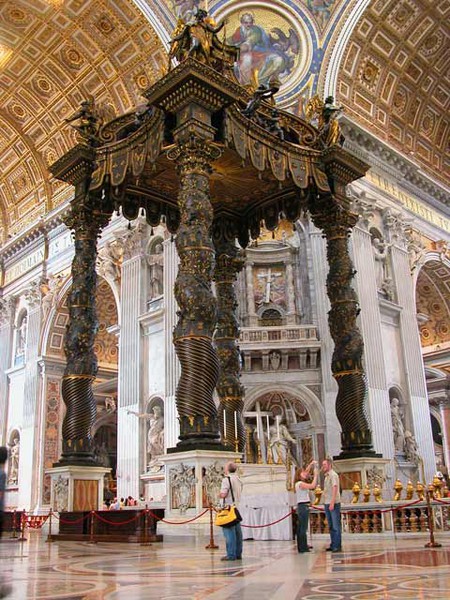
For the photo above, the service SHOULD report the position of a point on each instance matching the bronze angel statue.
(326, 114)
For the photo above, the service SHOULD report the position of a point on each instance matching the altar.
(262, 509)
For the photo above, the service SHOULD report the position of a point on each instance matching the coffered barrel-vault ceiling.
(393, 79)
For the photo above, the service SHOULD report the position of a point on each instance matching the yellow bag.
(228, 516)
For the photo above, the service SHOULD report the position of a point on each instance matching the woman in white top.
(302, 488)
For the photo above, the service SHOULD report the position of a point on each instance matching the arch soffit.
(311, 402)
(432, 286)
(61, 296)
(389, 79)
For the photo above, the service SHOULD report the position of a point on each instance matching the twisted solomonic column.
(337, 221)
(86, 221)
(199, 428)
(226, 337)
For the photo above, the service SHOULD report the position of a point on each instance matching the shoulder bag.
(228, 515)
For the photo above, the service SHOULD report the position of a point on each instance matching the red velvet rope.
(442, 501)
(74, 522)
(269, 524)
(122, 522)
(175, 522)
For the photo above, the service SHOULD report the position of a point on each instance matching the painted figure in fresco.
(186, 9)
(263, 55)
(321, 10)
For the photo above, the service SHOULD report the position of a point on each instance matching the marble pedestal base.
(154, 484)
(193, 480)
(77, 488)
(364, 471)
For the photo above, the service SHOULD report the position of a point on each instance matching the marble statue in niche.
(14, 460)
(411, 450)
(156, 265)
(21, 336)
(398, 427)
(155, 432)
(280, 440)
(382, 276)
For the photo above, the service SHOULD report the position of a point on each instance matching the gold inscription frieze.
(410, 203)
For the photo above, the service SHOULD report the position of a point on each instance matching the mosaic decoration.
(51, 432)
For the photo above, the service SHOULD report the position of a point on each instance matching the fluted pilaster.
(6, 340)
(130, 431)
(172, 365)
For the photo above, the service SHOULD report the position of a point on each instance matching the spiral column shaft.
(199, 428)
(226, 338)
(337, 220)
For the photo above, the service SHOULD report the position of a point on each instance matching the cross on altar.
(259, 414)
(270, 279)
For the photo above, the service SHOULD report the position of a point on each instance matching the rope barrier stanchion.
(91, 528)
(23, 521)
(432, 543)
(14, 525)
(211, 545)
(145, 540)
(49, 536)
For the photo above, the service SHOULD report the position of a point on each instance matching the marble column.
(28, 468)
(412, 355)
(226, 337)
(444, 409)
(130, 430)
(370, 319)
(7, 306)
(172, 365)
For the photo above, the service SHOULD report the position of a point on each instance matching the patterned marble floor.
(181, 569)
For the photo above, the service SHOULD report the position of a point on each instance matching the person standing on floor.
(230, 492)
(332, 503)
(302, 488)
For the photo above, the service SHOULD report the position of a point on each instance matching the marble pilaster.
(6, 340)
(413, 361)
(251, 309)
(133, 295)
(444, 409)
(379, 405)
(172, 365)
(28, 439)
(322, 306)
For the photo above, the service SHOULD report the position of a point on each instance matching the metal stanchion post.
(49, 536)
(91, 528)
(14, 525)
(211, 545)
(145, 540)
(431, 543)
(23, 522)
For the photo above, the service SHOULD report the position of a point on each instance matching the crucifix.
(270, 279)
(259, 414)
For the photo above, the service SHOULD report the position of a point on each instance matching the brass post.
(211, 545)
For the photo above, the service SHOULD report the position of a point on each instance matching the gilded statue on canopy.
(197, 38)
(326, 114)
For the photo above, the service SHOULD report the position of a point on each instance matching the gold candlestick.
(398, 486)
(280, 460)
(355, 491)
(420, 491)
(269, 454)
(258, 447)
(249, 457)
(236, 449)
(409, 490)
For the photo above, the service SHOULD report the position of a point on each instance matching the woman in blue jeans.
(302, 488)
(230, 492)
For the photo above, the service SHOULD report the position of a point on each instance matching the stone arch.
(433, 301)
(303, 394)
